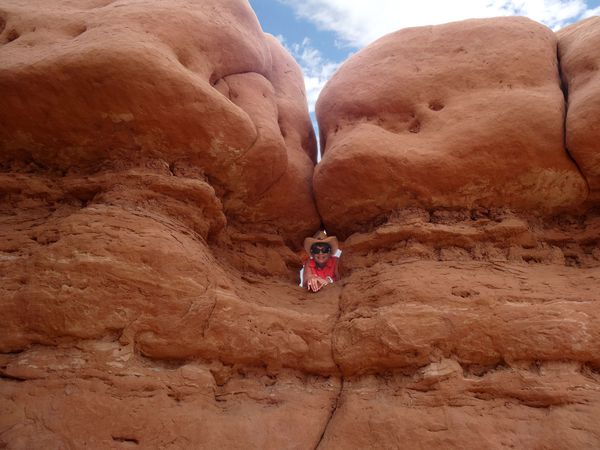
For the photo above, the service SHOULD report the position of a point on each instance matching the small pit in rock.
(415, 126)
(77, 30)
(184, 59)
(101, 4)
(281, 128)
(12, 35)
(436, 105)
(129, 441)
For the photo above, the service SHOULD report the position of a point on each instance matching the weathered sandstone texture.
(193, 89)
(148, 154)
(471, 329)
(465, 329)
(155, 176)
(458, 115)
(580, 68)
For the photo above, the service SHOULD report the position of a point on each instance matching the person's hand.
(315, 284)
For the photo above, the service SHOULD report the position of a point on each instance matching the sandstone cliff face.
(458, 115)
(462, 329)
(193, 89)
(147, 283)
(478, 324)
(148, 152)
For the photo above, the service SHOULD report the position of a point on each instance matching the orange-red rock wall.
(156, 181)
(462, 115)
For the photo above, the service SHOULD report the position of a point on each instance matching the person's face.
(321, 254)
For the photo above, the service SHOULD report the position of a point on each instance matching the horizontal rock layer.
(147, 288)
(483, 317)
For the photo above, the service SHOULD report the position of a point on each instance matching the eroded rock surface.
(474, 329)
(148, 154)
(580, 63)
(458, 115)
(147, 284)
(469, 329)
(195, 88)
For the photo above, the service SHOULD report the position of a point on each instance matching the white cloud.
(316, 68)
(358, 22)
(592, 12)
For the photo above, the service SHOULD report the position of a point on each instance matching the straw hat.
(320, 237)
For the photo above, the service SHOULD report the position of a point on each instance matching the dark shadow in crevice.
(5, 376)
(126, 440)
(12, 35)
(564, 87)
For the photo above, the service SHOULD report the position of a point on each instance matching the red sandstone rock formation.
(463, 330)
(194, 89)
(149, 153)
(580, 62)
(470, 329)
(146, 287)
(458, 115)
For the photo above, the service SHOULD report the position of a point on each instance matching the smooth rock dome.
(465, 114)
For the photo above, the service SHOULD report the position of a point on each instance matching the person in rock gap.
(321, 268)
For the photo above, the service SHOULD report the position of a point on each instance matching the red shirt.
(327, 271)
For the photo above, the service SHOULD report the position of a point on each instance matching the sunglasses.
(317, 250)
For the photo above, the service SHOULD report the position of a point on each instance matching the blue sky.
(321, 34)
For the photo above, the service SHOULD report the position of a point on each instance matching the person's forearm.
(308, 274)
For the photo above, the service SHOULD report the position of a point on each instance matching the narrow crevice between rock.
(335, 323)
(564, 87)
(334, 407)
(336, 403)
(206, 324)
